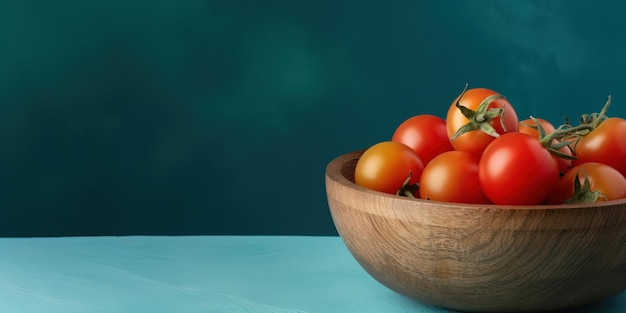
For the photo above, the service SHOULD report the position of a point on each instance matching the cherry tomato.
(528, 126)
(452, 177)
(605, 144)
(385, 167)
(603, 178)
(517, 169)
(426, 134)
(476, 141)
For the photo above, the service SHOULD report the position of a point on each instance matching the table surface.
(225, 274)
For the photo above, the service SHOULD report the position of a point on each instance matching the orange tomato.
(385, 166)
(475, 141)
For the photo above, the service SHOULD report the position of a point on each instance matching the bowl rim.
(334, 172)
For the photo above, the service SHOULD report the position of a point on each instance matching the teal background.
(218, 117)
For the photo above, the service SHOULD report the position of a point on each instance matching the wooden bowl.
(481, 258)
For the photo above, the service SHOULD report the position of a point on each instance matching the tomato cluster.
(482, 153)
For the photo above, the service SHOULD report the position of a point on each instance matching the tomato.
(452, 177)
(528, 126)
(605, 144)
(602, 178)
(426, 134)
(385, 167)
(517, 169)
(475, 141)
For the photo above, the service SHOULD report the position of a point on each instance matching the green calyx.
(408, 190)
(481, 118)
(584, 194)
(552, 141)
(595, 119)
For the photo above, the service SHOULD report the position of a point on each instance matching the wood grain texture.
(481, 258)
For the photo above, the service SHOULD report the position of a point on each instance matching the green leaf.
(481, 118)
(561, 144)
(468, 113)
(560, 154)
(584, 194)
(491, 113)
(540, 129)
(464, 129)
(408, 190)
(489, 130)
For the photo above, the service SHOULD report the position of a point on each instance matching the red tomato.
(385, 167)
(452, 177)
(517, 169)
(476, 141)
(605, 144)
(602, 178)
(528, 126)
(426, 134)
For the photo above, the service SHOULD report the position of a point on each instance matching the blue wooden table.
(225, 274)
